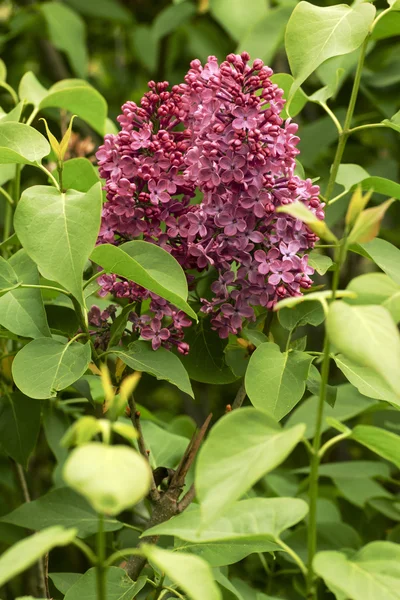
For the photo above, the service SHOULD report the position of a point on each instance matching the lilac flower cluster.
(220, 134)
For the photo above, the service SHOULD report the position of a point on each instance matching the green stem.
(32, 116)
(10, 90)
(49, 175)
(6, 196)
(93, 277)
(332, 442)
(295, 556)
(343, 136)
(101, 558)
(46, 287)
(315, 457)
(366, 126)
(332, 116)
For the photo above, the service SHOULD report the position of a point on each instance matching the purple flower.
(156, 333)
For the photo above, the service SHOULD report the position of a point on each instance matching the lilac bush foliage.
(218, 137)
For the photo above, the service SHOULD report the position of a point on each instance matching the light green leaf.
(320, 262)
(22, 555)
(63, 507)
(350, 174)
(349, 403)
(367, 381)
(382, 442)
(78, 174)
(371, 573)
(298, 210)
(19, 426)
(205, 361)
(393, 122)
(162, 364)
(119, 586)
(45, 366)
(265, 37)
(246, 521)
(67, 32)
(3, 70)
(377, 288)
(192, 574)
(14, 114)
(59, 231)
(275, 381)
(91, 471)
(81, 99)
(388, 26)
(22, 310)
(367, 336)
(385, 255)
(147, 265)
(7, 172)
(21, 144)
(299, 100)
(361, 491)
(31, 90)
(380, 185)
(246, 442)
(235, 16)
(316, 33)
(219, 554)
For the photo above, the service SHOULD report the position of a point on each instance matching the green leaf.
(19, 426)
(59, 231)
(63, 581)
(166, 448)
(21, 144)
(380, 185)
(371, 573)
(235, 17)
(349, 404)
(192, 574)
(31, 90)
(81, 99)
(264, 39)
(14, 114)
(368, 223)
(219, 554)
(8, 276)
(306, 313)
(330, 536)
(358, 469)
(103, 9)
(376, 288)
(62, 319)
(25, 553)
(205, 361)
(119, 586)
(7, 172)
(78, 174)
(247, 521)
(350, 174)
(90, 471)
(22, 310)
(388, 26)
(162, 364)
(275, 381)
(367, 336)
(45, 366)
(224, 469)
(320, 262)
(299, 100)
(3, 70)
(171, 17)
(367, 381)
(67, 32)
(316, 33)
(59, 507)
(145, 46)
(382, 442)
(147, 265)
(393, 122)
(385, 255)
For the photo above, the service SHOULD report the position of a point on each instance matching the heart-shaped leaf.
(21, 144)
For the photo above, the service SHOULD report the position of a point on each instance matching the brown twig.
(135, 418)
(168, 504)
(240, 397)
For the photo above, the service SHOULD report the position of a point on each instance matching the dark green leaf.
(19, 426)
